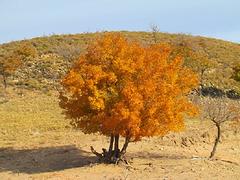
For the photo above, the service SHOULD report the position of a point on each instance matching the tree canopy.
(121, 87)
(11, 60)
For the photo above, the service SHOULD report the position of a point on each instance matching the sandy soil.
(63, 153)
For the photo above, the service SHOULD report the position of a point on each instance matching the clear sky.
(22, 19)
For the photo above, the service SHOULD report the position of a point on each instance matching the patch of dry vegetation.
(57, 52)
(36, 142)
(29, 116)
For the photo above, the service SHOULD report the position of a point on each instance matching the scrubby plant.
(11, 60)
(219, 111)
(155, 32)
(26, 49)
(8, 65)
(195, 57)
(236, 74)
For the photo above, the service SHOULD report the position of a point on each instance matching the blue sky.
(22, 19)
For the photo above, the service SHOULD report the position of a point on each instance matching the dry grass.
(57, 52)
(26, 117)
(37, 143)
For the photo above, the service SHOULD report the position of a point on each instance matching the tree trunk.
(116, 146)
(201, 78)
(124, 149)
(201, 82)
(113, 155)
(4, 81)
(111, 143)
(216, 140)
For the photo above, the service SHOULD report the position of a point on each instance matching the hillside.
(37, 141)
(56, 53)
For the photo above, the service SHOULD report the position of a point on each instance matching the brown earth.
(37, 143)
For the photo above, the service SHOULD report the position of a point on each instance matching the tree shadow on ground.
(41, 160)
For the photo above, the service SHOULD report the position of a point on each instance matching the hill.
(37, 141)
(56, 53)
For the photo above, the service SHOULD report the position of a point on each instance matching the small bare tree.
(220, 110)
(68, 52)
(155, 31)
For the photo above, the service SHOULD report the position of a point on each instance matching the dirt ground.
(36, 142)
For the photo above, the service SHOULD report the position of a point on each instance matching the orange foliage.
(122, 87)
(11, 60)
(8, 65)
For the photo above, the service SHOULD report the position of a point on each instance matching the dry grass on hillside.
(57, 52)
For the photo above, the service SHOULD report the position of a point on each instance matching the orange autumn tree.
(120, 88)
(8, 65)
(11, 60)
